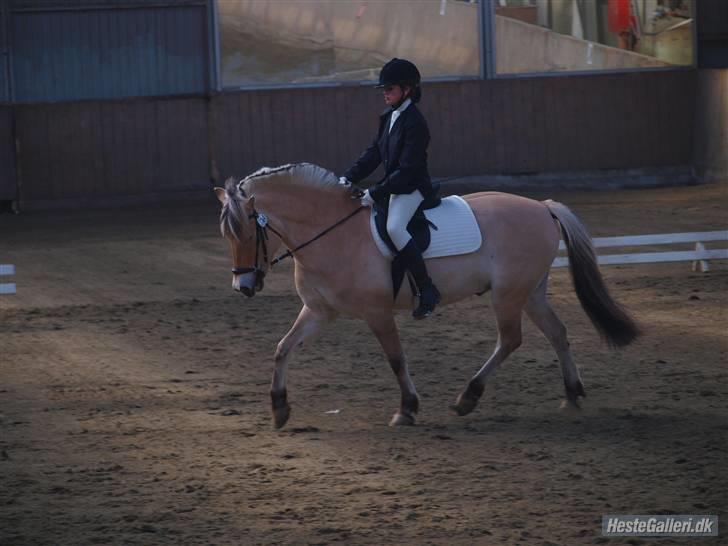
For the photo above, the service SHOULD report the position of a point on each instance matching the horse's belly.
(367, 290)
(456, 277)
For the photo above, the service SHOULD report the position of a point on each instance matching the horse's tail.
(610, 319)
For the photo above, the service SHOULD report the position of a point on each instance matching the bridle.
(261, 244)
(261, 238)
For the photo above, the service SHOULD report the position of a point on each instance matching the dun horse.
(340, 271)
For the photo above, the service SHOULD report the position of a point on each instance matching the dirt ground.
(134, 397)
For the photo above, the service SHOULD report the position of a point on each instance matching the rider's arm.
(365, 165)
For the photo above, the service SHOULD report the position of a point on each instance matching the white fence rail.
(699, 256)
(7, 287)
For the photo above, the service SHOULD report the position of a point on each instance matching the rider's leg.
(401, 209)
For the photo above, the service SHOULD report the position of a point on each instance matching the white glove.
(344, 181)
(366, 199)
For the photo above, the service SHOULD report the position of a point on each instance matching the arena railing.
(699, 255)
(7, 270)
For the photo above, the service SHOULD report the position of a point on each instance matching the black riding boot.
(429, 295)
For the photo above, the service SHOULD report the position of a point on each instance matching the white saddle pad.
(457, 230)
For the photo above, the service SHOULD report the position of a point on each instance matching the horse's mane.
(232, 215)
(297, 173)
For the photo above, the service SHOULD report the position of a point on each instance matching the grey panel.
(67, 55)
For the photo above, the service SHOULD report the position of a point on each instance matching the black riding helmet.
(399, 72)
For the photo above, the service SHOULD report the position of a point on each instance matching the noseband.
(261, 239)
(261, 243)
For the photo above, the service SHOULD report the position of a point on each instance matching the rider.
(401, 144)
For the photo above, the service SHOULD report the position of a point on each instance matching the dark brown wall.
(496, 126)
(8, 186)
(98, 151)
(89, 151)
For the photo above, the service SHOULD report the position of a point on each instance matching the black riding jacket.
(403, 151)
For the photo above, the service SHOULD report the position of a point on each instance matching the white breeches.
(401, 209)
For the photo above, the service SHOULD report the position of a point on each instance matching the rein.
(261, 238)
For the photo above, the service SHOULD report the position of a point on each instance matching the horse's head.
(245, 230)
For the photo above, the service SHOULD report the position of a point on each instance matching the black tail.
(610, 319)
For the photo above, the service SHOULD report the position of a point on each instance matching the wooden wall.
(524, 125)
(97, 151)
(120, 150)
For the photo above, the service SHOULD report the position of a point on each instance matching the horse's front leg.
(307, 325)
(385, 329)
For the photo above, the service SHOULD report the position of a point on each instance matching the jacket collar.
(388, 110)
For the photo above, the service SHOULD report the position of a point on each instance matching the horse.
(339, 271)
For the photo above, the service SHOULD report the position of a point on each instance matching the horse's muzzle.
(245, 291)
(249, 283)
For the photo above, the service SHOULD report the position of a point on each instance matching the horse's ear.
(221, 195)
(250, 203)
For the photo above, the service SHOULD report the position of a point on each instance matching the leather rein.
(261, 238)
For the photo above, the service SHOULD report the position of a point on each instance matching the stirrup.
(427, 304)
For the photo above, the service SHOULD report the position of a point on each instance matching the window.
(538, 36)
(277, 42)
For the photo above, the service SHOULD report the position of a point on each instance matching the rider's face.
(394, 93)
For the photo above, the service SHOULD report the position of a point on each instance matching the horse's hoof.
(464, 405)
(402, 420)
(281, 415)
(573, 395)
(570, 407)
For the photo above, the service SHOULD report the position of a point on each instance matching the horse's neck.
(301, 214)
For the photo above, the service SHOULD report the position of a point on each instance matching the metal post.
(214, 18)
(486, 10)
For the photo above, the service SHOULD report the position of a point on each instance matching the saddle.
(439, 227)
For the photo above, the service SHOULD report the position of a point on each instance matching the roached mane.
(297, 173)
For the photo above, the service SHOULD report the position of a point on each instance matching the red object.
(619, 16)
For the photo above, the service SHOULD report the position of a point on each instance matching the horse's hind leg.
(307, 325)
(543, 316)
(508, 316)
(385, 329)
